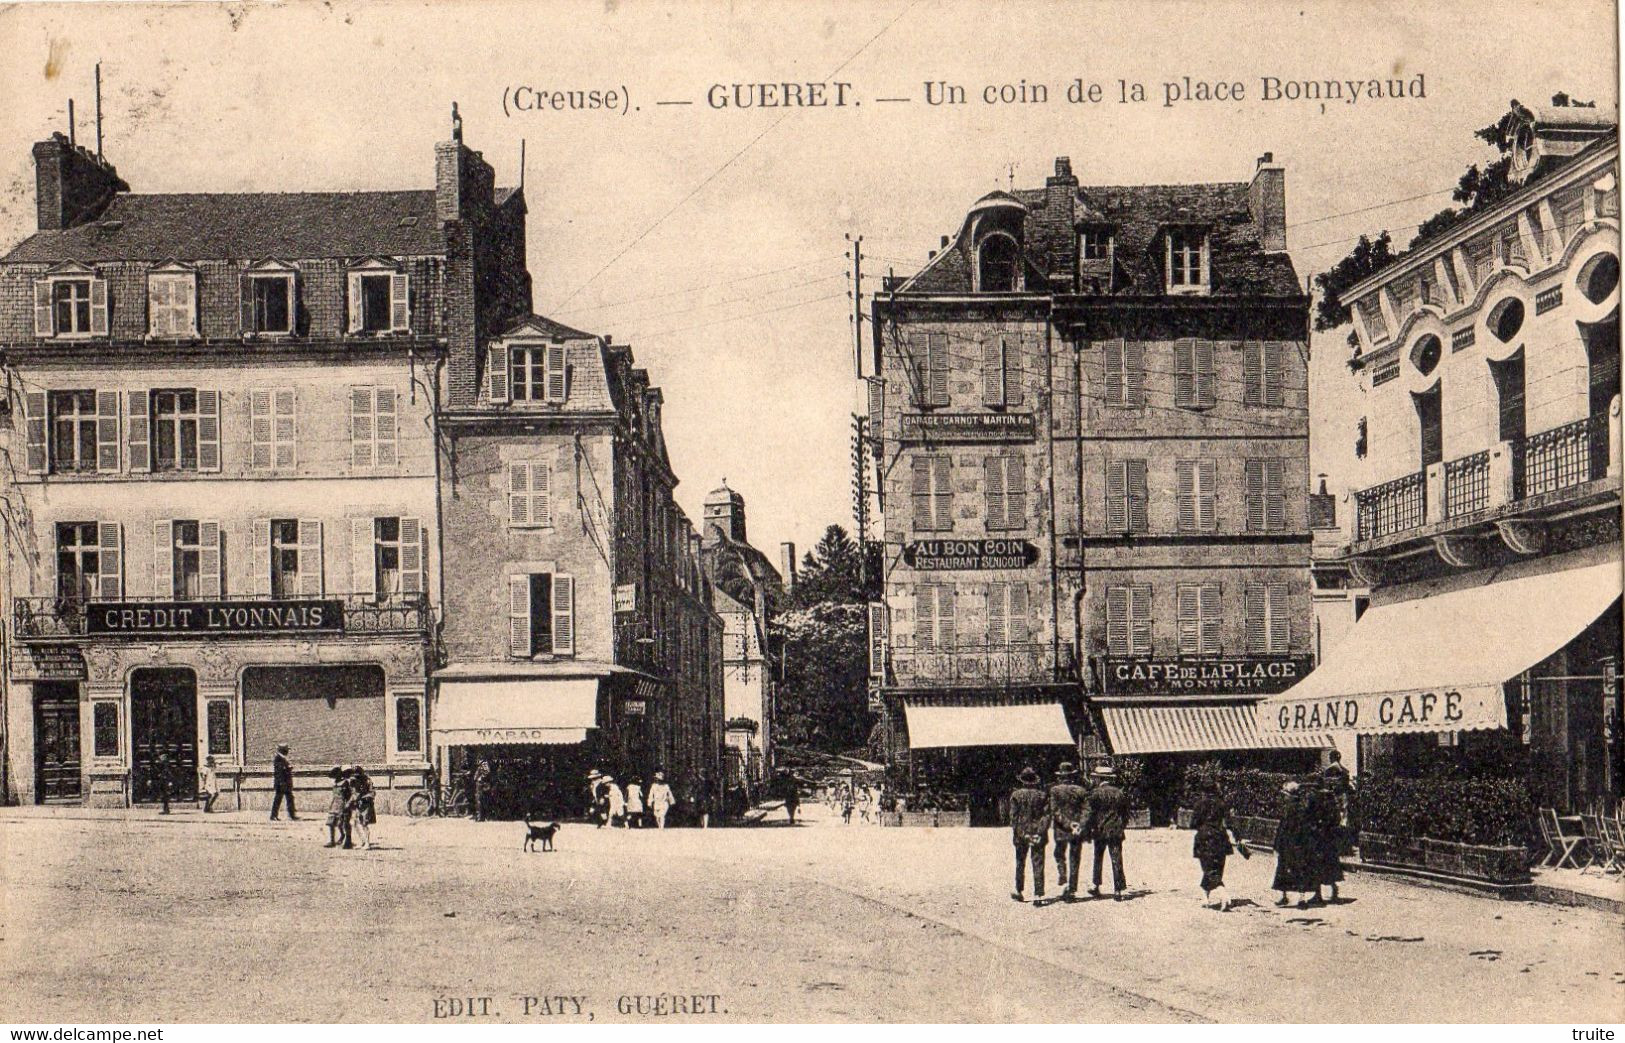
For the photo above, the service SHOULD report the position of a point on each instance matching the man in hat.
(661, 799)
(282, 783)
(1029, 822)
(1066, 808)
(1105, 819)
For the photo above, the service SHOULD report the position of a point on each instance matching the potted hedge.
(1131, 779)
(1253, 796)
(1473, 828)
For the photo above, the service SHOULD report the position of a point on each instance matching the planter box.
(1139, 818)
(1257, 832)
(1184, 817)
(1490, 863)
(929, 819)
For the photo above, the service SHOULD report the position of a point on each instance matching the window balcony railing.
(982, 664)
(1391, 507)
(358, 614)
(1562, 457)
(1467, 484)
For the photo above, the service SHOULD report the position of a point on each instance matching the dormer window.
(70, 302)
(998, 264)
(1187, 260)
(1095, 244)
(172, 302)
(379, 300)
(268, 300)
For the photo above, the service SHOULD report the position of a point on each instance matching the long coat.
(1292, 870)
(1325, 836)
(1106, 813)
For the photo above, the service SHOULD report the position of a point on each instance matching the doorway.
(163, 722)
(56, 741)
(1430, 422)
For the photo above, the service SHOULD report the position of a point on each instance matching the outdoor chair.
(1565, 847)
(1596, 842)
(1613, 840)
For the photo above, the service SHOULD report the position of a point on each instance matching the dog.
(542, 831)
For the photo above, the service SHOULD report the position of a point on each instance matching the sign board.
(1222, 675)
(1468, 708)
(943, 555)
(969, 428)
(626, 597)
(634, 707)
(877, 639)
(50, 663)
(182, 618)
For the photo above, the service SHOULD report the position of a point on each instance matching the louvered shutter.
(920, 490)
(1190, 620)
(1015, 350)
(98, 307)
(1252, 373)
(1137, 495)
(947, 635)
(541, 494)
(1112, 365)
(1280, 619)
(1256, 627)
(925, 616)
(877, 405)
(163, 559)
(210, 560)
(363, 557)
(1206, 493)
(519, 616)
(110, 564)
(400, 303)
(107, 431)
(361, 427)
(1015, 492)
(1116, 495)
(140, 433)
(496, 373)
(261, 428)
(44, 315)
(937, 359)
(1274, 496)
(208, 430)
(245, 298)
(285, 427)
(353, 302)
(564, 615)
(557, 372)
(310, 557)
(1018, 614)
(1185, 373)
(1275, 374)
(1134, 373)
(37, 422)
(993, 372)
(942, 493)
(998, 632)
(993, 472)
(387, 429)
(1203, 366)
(519, 494)
(259, 558)
(411, 556)
(1140, 619)
(1210, 611)
(1117, 628)
(1253, 493)
(1186, 480)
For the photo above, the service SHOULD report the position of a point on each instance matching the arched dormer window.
(998, 264)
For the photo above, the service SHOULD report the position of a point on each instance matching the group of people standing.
(1308, 842)
(1072, 814)
(632, 807)
(352, 809)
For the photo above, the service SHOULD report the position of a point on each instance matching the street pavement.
(130, 917)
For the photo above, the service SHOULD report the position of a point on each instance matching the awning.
(1198, 728)
(553, 711)
(1435, 664)
(1028, 724)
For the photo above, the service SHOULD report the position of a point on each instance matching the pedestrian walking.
(1105, 820)
(634, 804)
(866, 803)
(1335, 778)
(1291, 847)
(1029, 823)
(208, 784)
(161, 781)
(1324, 832)
(338, 810)
(480, 784)
(848, 802)
(614, 802)
(1066, 809)
(661, 799)
(1213, 844)
(791, 794)
(282, 783)
(363, 813)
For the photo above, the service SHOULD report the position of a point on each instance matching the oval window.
(1506, 319)
(1600, 277)
(1425, 354)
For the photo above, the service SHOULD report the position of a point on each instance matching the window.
(1266, 500)
(932, 492)
(1007, 614)
(1001, 371)
(934, 617)
(1263, 373)
(1006, 491)
(1126, 500)
(1187, 260)
(73, 431)
(388, 556)
(1128, 620)
(998, 264)
(1124, 381)
(537, 373)
(186, 561)
(71, 307)
(286, 557)
(273, 428)
(541, 614)
(379, 301)
(1197, 490)
(87, 561)
(1199, 619)
(1193, 372)
(931, 371)
(409, 725)
(104, 725)
(529, 495)
(373, 430)
(1095, 244)
(185, 431)
(172, 304)
(1269, 627)
(218, 716)
(268, 303)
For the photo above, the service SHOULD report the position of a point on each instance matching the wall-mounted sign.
(943, 555)
(50, 663)
(969, 427)
(635, 707)
(143, 618)
(1225, 675)
(626, 597)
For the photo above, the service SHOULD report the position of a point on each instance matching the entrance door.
(163, 722)
(56, 741)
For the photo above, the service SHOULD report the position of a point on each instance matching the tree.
(824, 702)
(833, 571)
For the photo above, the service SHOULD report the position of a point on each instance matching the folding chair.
(1596, 843)
(1613, 836)
(1546, 838)
(1565, 846)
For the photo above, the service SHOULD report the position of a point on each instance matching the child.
(208, 785)
(362, 798)
(338, 816)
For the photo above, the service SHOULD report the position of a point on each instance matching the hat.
(282, 747)
(1105, 771)
(1289, 787)
(336, 773)
(660, 776)
(1067, 768)
(1028, 776)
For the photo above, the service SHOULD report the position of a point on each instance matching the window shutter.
(35, 407)
(361, 427)
(353, 300)
(110, 548)
(877, 405)
(1190, 626)
(1205, 378)
(261, 428)
(386, 428)
(1186, 479)
(557, 373)
(925, 616)
(920, 487)
(519, 616)
(496, 373)
(160, 320)
(1274, 373)
(942, 493)
(1117, 621)
(1252, 373)
(1274, 496)
(1212, 616)
(993, 372)
(259, 557)
(541, 494)
(877, 639)
(163, 560)
(285, 428)
(1280, 620)
(1253, 493)
(140, 431)
(1113, 372)
(44, 316)
(186, 290)
(209, 560)
(564, 615)
(993, 472)
(947, 638)
(1140, 614)
(208, 430)
(1014, 356)
(98, 307)
(245, 297)
(1257, 633)
(1015, 492)
(1185, 373)
(1137, 519)
(998, 632)
(1116, 495)
(518, 494)
(310, 557)
(411, 556)
(1134, 373)
(400, 303)
(936, 350)
(107, 431)
(1018, 613)
(363, 557)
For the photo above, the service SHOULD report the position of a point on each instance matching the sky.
(713, 240)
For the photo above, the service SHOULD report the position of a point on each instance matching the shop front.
(964, 752)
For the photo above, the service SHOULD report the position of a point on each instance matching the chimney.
(1266, 199)
(1059, 189)
(944, 244)
(787, 565)
(71, 186)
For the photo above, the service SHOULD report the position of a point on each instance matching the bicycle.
(435, 799)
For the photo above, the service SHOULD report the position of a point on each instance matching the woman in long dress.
(1290, 846)
(1213, 844)
(1324, 834)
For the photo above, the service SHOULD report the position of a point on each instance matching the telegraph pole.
(860, 490)
(856, 293)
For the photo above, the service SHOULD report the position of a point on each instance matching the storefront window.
(327, 714)
(219, 727)
(408, 726)
(104, 723)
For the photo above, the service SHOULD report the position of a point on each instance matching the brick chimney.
(1266, 199)
(787, 565)
(71, 186)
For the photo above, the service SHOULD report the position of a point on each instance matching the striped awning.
(1197, 728)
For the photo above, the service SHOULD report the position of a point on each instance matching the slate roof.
(245, 225)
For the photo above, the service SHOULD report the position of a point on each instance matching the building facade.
(1093, 444)
(1482, 488)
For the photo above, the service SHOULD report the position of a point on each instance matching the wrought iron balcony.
(1562, 457)
(36, 618)
(980, 665)
(1467, 484)
(1391, 507)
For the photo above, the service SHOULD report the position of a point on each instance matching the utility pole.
(856, 293)
(860, 490)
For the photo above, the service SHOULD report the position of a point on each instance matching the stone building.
(1481, 486)
(1093, 443)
